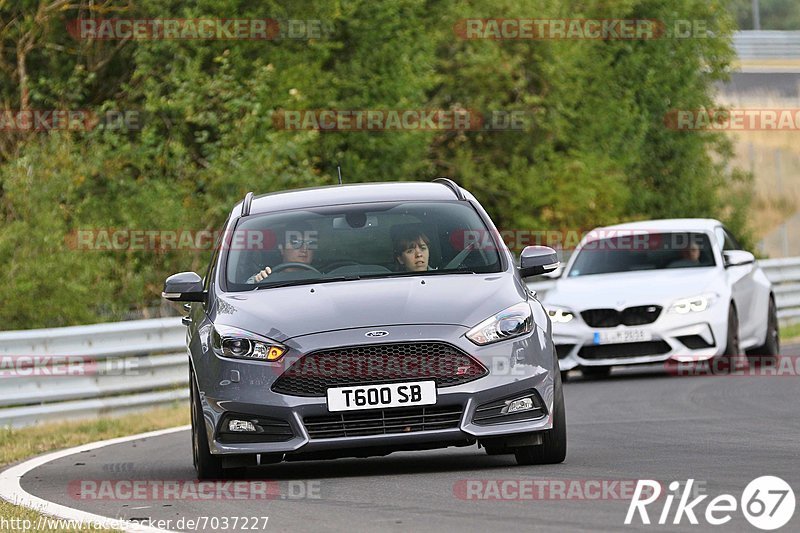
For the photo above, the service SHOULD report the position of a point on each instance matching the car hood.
(626, 289)
(284, 313)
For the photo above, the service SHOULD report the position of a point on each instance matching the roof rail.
(248, 200)
(452, 185)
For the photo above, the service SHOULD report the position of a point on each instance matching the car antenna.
(339, 170)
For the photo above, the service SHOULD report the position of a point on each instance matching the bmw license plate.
(382, 396)
(615, 336)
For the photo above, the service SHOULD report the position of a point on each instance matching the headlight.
(559, 315)
(695, 304)
(240, 344)
(512, 322)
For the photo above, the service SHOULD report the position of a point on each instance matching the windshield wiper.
(354, 277)
(451, 271)
(430, 273)
(296, 282)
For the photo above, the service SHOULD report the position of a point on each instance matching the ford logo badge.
(377, 333)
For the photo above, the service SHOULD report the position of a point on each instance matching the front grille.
(383, 422)
(631, 316)
(643, 314)
(601, 318)
(313, 374)
(625, 349)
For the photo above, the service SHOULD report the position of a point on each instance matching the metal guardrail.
(767, 44)
(85, 371)
(785, 277)
(783, 273)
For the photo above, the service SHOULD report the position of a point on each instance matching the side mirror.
(536, 260)
(184, 287)
(737, 257)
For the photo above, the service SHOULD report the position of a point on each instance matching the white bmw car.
(649, 292)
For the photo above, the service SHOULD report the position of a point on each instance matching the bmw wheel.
(772, 344)
(732, 348)
(731, 358)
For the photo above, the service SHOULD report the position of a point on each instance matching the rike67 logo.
(767, 503)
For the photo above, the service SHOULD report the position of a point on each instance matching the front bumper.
(689, 337)
(516, 366)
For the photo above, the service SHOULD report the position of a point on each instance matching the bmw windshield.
(650, 251)
(347, 242)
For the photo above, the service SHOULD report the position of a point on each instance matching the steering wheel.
(337, 264)
(284, 266)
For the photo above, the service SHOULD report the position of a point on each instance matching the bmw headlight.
(695, 304)
(237, 343)
(560, 315)
(509, 323)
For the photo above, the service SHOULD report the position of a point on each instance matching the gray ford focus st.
(364, 319)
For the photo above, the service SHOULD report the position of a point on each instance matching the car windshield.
(643, 251)
(358, 241)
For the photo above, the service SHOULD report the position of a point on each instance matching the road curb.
(11, 489)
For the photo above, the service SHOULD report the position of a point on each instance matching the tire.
(596, 371)
(553, 449)
(207, 465)
(731, 358)
(732, 347)
(772, 343)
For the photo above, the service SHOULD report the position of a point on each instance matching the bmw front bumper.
(694, 336)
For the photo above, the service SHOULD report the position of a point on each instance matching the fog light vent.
(514, 406)
(525, 405)
(238, 427)
(241, 426)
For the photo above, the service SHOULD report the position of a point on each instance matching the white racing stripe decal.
(11, 490)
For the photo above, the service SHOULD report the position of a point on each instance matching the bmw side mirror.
(737, 257)
(184, 287)
(536, 260)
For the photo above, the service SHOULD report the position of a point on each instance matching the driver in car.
(690, 257)
(298, 246)
(412, 250)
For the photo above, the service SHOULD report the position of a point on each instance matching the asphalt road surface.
(721, 431)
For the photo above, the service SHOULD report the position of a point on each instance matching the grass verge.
(790, 333)
(23, 443)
